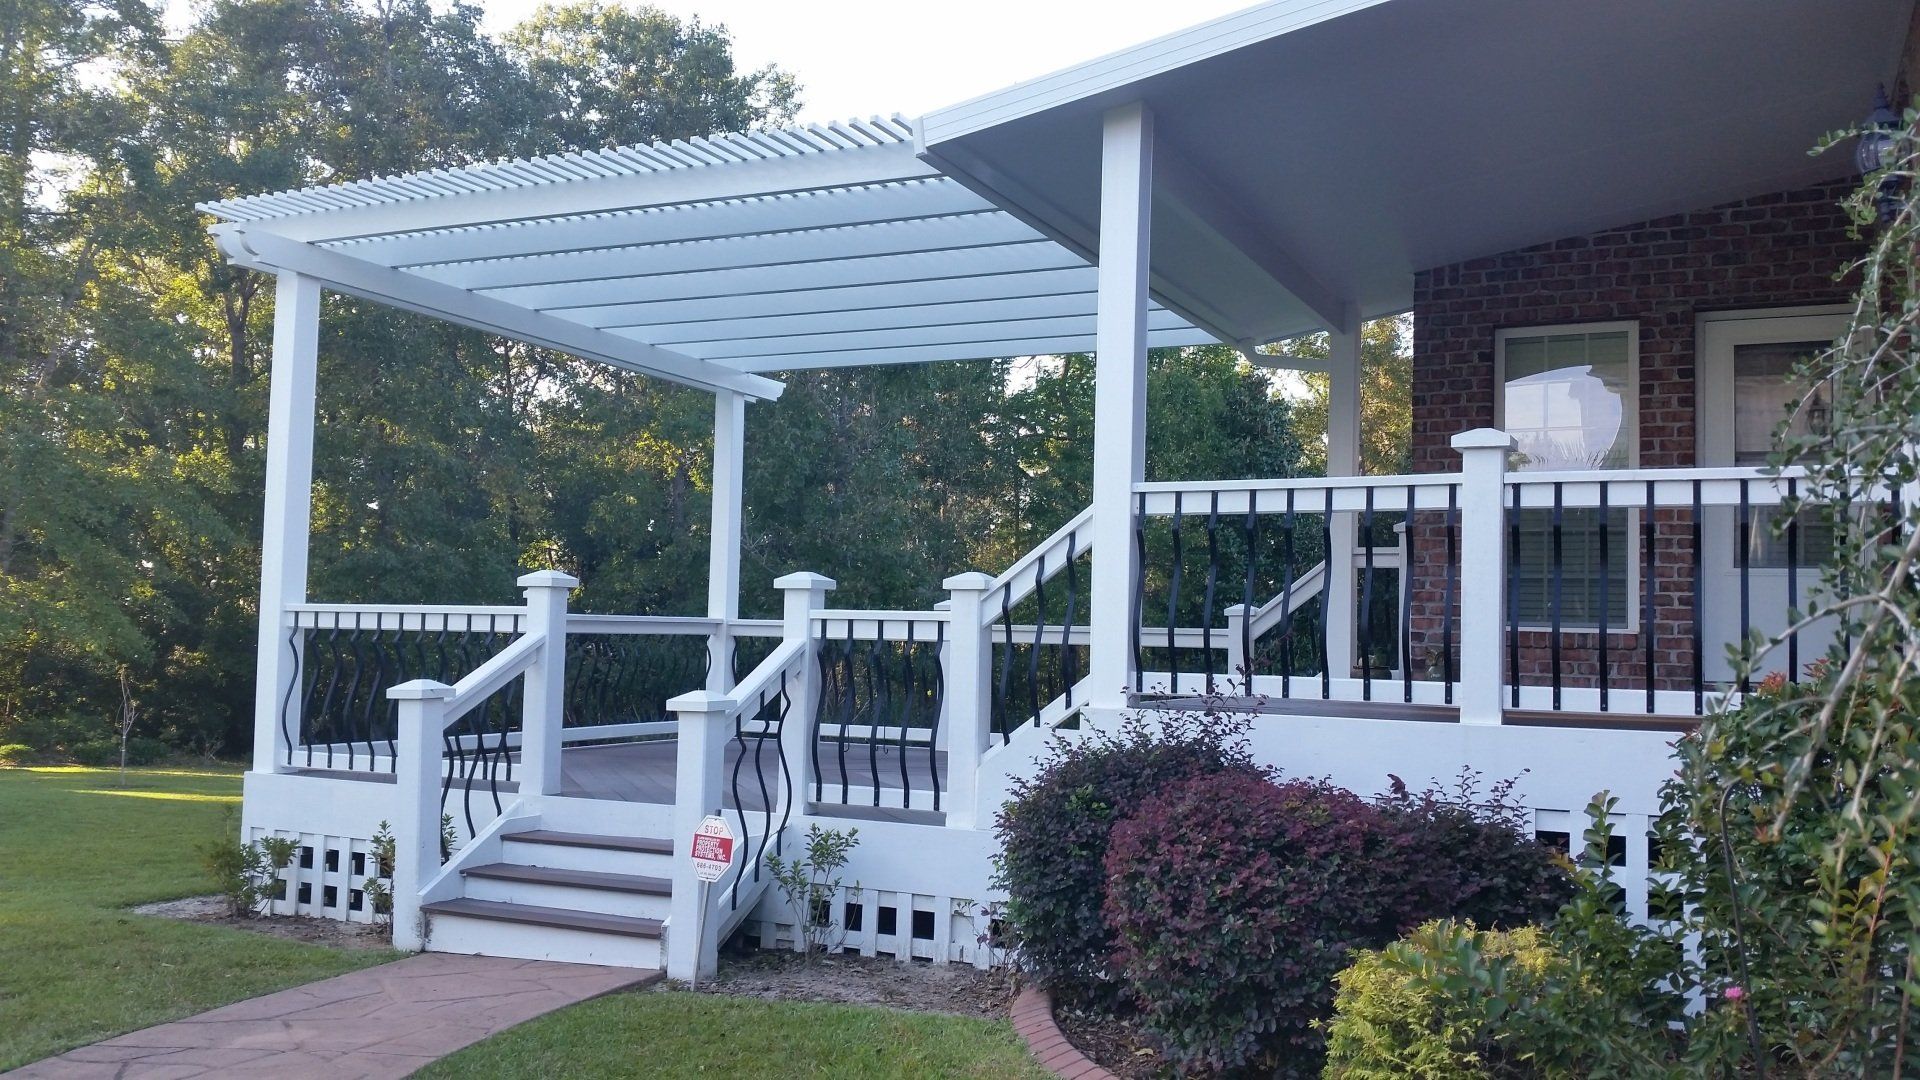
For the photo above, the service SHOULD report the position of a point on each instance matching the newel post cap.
(548, 579)
(972, 581)
(1485, 438)
(420, 690)
(699, 701)
(805, 579)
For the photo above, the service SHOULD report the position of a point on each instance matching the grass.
(76, 848)
(673, 1034)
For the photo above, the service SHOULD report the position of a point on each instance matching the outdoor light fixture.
(1818, 415)
(1879, 148)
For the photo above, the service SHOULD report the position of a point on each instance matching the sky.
(859, 58)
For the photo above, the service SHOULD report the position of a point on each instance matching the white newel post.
(1483, 571)
(288, 513)
(802, 594)
(723, 553)
(416, 828)
(543, 709)
(1119, 399)
(1239, 671)
(699, 767)
(1343, 459)
(968, 658)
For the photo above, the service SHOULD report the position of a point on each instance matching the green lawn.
(666, 1034)
(75, 849)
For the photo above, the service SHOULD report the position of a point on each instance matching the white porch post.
(1120, 398)
(543, 707)
(416, 831)
(699, 773)
(1483, 571)
(968, 656)
(723, 556)
(802, 593)
(1343, 459)
(289, 509)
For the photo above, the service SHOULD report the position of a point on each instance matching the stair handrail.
(1042, 562)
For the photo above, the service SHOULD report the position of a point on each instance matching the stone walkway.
(383, 1021)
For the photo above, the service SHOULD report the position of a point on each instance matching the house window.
(1568, 396)
(1765, 393)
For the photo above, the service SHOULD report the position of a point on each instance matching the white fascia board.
(265, 251)
(1079, 343)
(729, 352)
(670, 187)
(838, 299)
(1120, 69)
(829, 208)
(1007, 259)
(979, 229)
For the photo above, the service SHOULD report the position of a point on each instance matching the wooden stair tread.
(582, 879)
(561, 918)
(645, 844)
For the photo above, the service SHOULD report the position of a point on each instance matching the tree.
(1386, 398)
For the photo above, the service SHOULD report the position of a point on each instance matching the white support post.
(1120, 399)
(543, 708)
(723, 554)
(803, 593)
(1343, 459)
(1483, 571)
(416, 831)
(699, 768)
(969, 655)
(288, 516)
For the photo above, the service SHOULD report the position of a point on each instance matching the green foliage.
(378, 886)
(1433, 1003)
(15, 753)
(102, 752)
(248, 876)
(811, 884)
(1466, 853)
(1054, 833)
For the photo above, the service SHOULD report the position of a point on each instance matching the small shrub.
(1466, 854)
(105, 753)
(378, 886)
(1431, 1004)
(15, 753)
(1054, 832)
(812, 883)
(1234, 901)
(247, 876)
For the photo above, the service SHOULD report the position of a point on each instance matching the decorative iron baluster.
(1513, 594)
(1746, 607)
(1647, 627)
(1173, 597)
(1366, 600)
(1559, 589)
(1699, 644)
(1326, 593)
(1600, 525)
(1287, 574)
(1793, 579)
(1139, 590)
(1004, 697)
(1069, 666)
(1447, 612)
(1206, 601)
(1039, 636)
(1250, 531)
(1406, 601)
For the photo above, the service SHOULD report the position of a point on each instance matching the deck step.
(579, 879)
(561, 918)
(645, 844)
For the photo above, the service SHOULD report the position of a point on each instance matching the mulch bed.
(1110, 1042)
(957, 989)
(212, 911)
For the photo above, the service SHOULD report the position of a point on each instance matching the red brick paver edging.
(379, 1022)
(1033, 1019)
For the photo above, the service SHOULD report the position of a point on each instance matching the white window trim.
(1631, 327)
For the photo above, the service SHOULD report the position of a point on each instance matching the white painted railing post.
(699, 768)
(969, 656)
(723, 554)
(416, 829)
(1483, 571)
(543, 708)
(1343, 459)
(804, 593)
(288, 515)
(1119, 401)
(1239, 665)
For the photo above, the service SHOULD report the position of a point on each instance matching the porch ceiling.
(1312, 155)
(702, 261)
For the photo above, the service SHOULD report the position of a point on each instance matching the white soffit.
(703, 261)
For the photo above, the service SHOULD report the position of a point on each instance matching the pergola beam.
(982, 335)
(272, 253)
(836, 299)
(979, 350)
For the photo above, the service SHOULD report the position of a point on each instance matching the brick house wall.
(1772, 251)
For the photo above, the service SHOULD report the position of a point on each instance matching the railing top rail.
(411, 609)
(1019, 577)
(1641, 476)
(1298, 483)
(581, 622)
(420, 619)
(913, 626)
(747, 693)
(500, 669)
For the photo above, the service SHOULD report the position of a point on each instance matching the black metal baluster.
(1286, 599)
(351, 702)
(1559, 588)
(826, 666)
(939, 703)
(1206, 600)
(846, 707)
(1746, 606)
(1003, 700)
(1606, 598)
(1793, 579)
(1366, 599)
(878, 703)
(298, 684)
(1039, 639)
(1173, 599)
(1699, 643)
(1069, 666)
(906, 710)
(1139, 590)
(1647, 593)
(1250, 531)
(1326, 590)
(1447, 614)
(1513, 593)
(1406, 602)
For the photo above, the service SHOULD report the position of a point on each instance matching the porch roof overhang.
(706, 262)
(1312, 155)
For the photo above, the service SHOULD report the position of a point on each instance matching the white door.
(1745, 390)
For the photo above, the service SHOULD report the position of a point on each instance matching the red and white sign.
(712, 849)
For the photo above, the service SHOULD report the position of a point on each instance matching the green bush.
(1466, 853)
(1234, 901)
(105, 753)
(1398, 1012)
(15, 753)
(1054, 832)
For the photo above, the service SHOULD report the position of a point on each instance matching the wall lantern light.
(1878, 149)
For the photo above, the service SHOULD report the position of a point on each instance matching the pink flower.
(1734, 993)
